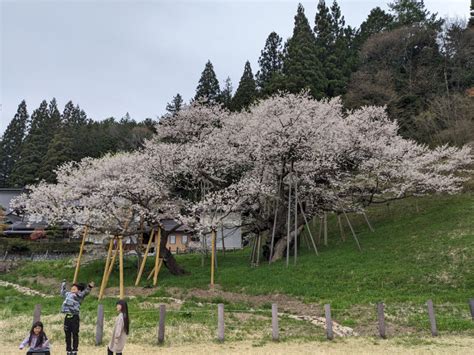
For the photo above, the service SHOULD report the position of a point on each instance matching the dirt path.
(290, 306)
(440, 346)
(23, 290)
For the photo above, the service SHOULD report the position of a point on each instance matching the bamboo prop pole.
(78, 262)
(122, 292)
(307, 227)
(157, 255)
(341, 230)
(106, 269)
(215, 253)
(352, 230)
(138, 247)
(288, 223)
(152, 272)
(142, 266)
(112, 261)
(296, 221)
(368, 222)
(213, 242)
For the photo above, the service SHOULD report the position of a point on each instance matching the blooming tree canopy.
(207, 160)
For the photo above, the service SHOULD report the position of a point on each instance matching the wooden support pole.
(381, 319)
(309, 229)
(325, 229)
(122, 291)
(327, 312)
(78, 262)
(431, 315)
(289, 227)
(112, 261)
(341, 230)
(275, 330)
(213, 252)
(220, 322)
(471, 306)
(157, 255)
(161, 324)
(352, 230)
(296, 221)
(152, 272)
(37, 313)
(99, 328)
(368, 222)
(143, 263)
(106, 269)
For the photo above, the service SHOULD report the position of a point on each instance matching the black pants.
(71, 330)
(37, 352)
(110, 352)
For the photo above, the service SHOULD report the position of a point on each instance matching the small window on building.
(172, 239)
(184, 239)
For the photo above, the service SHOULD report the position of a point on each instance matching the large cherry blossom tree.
(206, 160)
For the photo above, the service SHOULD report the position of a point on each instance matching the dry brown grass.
(443, 345)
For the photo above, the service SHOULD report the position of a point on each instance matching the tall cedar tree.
(11, 143)
(246, 92)
(336, 47)
(301, 65)
(208, 86)
(34, 148)
(226, 94)
(67, 144)
(175, 105)
(268, 78)
(377, 21)
(411, 12)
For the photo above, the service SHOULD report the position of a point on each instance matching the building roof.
(21, 227)
(170, 225)
(6, 195)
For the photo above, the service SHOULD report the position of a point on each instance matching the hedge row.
(22, 246)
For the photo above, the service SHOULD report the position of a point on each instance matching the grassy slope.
(411, 257)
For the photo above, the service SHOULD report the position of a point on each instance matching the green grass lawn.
(411, 257)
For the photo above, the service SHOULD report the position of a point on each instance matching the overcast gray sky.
(113, 57)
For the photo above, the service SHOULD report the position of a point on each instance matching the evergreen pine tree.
(410, 12)
(301, 66)
(208, 87)
(271, 64)
(226, 94)
(246, 92)
(377, 21)
(60, 150)
(11, 143)
(34, 148)
(336, 48)
(175, 105)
